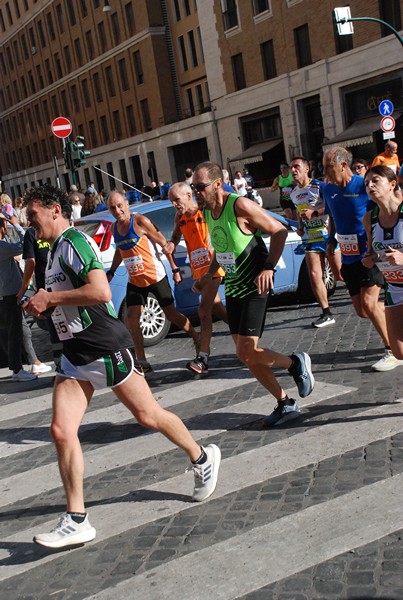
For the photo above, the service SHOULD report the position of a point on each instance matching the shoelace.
(60, 524)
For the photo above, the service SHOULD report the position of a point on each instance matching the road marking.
(249, 561)
(251, 467)
(150, 443)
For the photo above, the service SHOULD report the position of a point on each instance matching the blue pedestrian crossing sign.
(386, 108)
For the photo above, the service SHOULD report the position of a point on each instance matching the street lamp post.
(343, 16)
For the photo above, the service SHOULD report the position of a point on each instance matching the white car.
(291, 275)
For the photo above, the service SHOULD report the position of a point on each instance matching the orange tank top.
(195, 232)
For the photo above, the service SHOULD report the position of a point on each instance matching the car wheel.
(304, 283)
(153, 322)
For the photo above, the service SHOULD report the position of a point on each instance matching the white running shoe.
(67, 533)
(206, 475)
(387, 362)
(39, 369)
(23, 376)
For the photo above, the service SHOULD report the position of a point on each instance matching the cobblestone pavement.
(308, 511)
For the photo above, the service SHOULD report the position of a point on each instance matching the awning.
(360, 132)
(253, 154)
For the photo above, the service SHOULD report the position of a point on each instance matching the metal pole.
(396, 33)
(57, 176)
(120, 180)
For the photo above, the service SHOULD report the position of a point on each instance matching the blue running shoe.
(281, 414)
(302, 373)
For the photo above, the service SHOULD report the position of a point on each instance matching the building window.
(90, 44)
(84, 9)
(117, 126)
(183, 56)
(32, 40)
(105, 130)
(86, 93)
(110, 81)
(123, 170)
(45, 108)
(390, 12)
(124, 80)
(38, 117)
(74, 97)
(268, 59)
(79, 53)
(24, 87)
(138, 67)
(93, 134)
(177, 12)
(9, 58)
(260, 6)
(302, 46)
(190, 103)
(230, 14)
(97, 86)
(130, 22)
(60, 17)
(53, 101)
(102, 36)
(65, 104)
(41, 34)
(16, 91)
(192, 45)
(199, 38)
(200, 99)
(17, 52)
(71, 13)
(17, 9)
(238, 71)
(2, 24)
(49, 74)
(39, 76)
(24, 46)
(51, 28)
(115, 28)
(58, 64)
(131, 120)
(186, 6)
(31, 82)
(67, 58)
(145, 111)
(9, 16)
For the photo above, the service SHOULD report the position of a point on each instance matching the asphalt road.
(307, 511)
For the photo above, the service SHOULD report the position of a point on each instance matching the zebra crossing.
(122, 506)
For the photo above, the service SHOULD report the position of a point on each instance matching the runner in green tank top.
(235, 226)
(285, 183)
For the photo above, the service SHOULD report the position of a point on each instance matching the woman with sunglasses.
(384, 227)
(359, 166)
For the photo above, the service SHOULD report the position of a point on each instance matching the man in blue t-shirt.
(346, 204)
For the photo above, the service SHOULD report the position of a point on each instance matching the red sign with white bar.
(388, 124)
(61, 127)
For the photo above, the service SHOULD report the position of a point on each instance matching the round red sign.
(388, 124)
(61, 127)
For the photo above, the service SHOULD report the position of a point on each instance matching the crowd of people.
(353, 216)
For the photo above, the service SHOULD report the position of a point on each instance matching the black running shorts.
(137, 296)
(246, 316)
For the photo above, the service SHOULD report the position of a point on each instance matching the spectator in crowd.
(91, 188)
(188, 175)
(226, 182)
(359, 166)
(240, 184)
(10, 310)
(19, 210)
(75, 206)
(90, 204)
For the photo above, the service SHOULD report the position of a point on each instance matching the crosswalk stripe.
(121, 453)
(249, 561)
(312, 446)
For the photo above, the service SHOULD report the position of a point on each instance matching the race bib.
(134, 265)
(349, 245)
(393, 275)
(199, 258)
(61, 325)
(227, 261)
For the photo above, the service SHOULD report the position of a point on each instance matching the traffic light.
(79, 154)
(68, 160)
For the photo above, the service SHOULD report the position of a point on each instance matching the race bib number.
(199, 258)
(134, 265)
(227, 261)
(393, 275)
(61, 325)
(349, 245)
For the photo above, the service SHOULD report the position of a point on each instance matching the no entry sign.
(61, 127)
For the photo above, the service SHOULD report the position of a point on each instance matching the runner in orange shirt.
(138, 244)
(190, 223)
